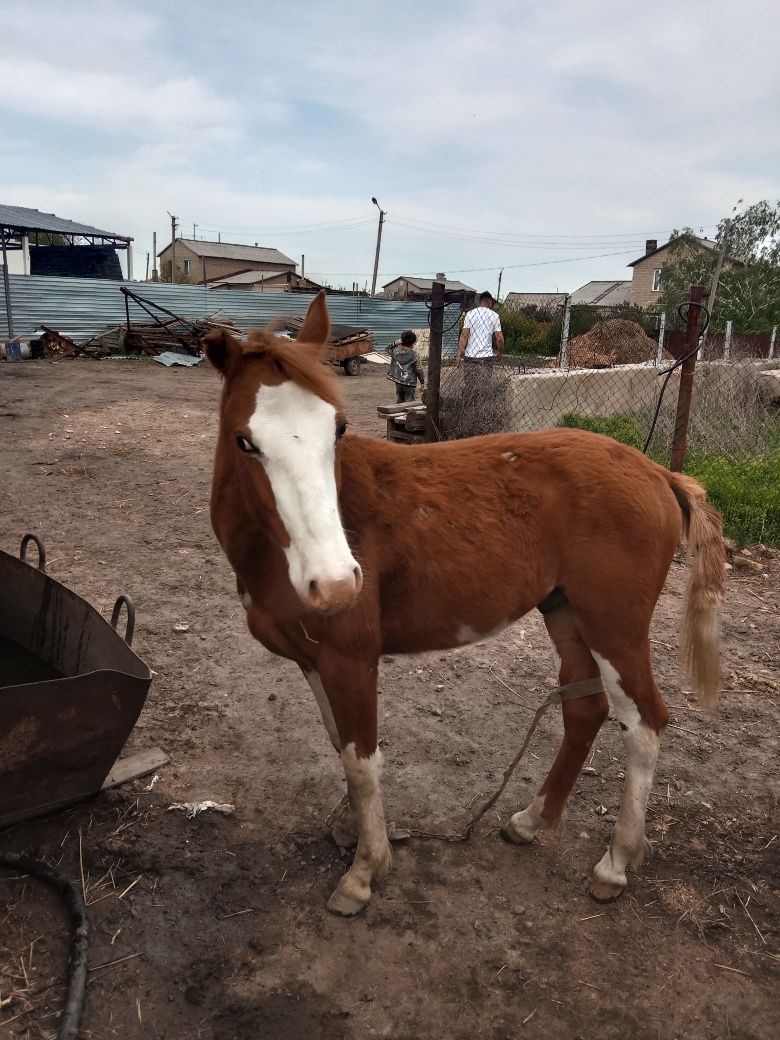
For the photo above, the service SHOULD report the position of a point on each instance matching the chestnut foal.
(324, 534)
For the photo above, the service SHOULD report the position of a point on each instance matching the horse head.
(281, 419)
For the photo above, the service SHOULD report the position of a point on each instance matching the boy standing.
(405, 368)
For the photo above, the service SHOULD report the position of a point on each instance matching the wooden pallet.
(405, 422)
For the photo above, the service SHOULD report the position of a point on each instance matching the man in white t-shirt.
(475, 346)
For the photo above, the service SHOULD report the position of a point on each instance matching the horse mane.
(302, 363)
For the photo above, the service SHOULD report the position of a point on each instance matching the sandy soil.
(225, 930)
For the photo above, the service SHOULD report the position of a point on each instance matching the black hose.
(74, 1003)
(668, 371)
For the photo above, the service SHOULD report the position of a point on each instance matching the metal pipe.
(434, 362)
(7, 286)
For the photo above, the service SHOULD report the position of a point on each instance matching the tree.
(748, 291)
(165, 274)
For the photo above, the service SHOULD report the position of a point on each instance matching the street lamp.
(378, 244)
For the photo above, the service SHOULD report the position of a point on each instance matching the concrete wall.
(542, 399)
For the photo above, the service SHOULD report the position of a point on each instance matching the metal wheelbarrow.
(71, 691)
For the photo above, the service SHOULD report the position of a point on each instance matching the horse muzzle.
(333, 595)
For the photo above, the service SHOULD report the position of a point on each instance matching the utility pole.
(194, 229)
(173, 247)
(498, 290)
(378, 244)
(303, 265)
(155, 276)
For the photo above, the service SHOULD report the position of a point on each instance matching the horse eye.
(246, 445)
(340, 431)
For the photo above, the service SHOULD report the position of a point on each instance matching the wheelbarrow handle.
(124, 600)
(29, 537)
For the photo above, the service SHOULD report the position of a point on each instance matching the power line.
(539, 236)
(496, 267)
(324, 227)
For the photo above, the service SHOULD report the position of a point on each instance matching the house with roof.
(410, 287)
(266, 281)
(602, 294)
(202, 262)
(535, 302)
(646, 278)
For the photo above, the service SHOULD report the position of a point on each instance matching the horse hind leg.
(582, 719)
(642, 715)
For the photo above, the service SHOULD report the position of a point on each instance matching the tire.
(352, 366)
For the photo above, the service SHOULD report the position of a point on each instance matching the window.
(656, 279)
(188, 267)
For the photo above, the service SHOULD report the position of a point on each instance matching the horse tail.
(703, 532)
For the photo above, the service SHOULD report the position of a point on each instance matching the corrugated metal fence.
(81, 307)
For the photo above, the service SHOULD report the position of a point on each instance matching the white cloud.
(562, 119)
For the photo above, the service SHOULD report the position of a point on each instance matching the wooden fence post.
(434, 362)
(685, 392)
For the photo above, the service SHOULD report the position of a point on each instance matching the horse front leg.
(345, 825)
(351, 692)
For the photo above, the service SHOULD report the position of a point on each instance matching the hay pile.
(613, 342)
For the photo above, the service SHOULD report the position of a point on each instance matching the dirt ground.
(224, 932)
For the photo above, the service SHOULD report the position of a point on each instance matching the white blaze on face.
(295, 432)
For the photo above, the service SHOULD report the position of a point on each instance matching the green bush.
(623, 428)
(746, 491)
(525, 335)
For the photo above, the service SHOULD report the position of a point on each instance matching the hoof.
(345, 906)
(513, 838)
(397, 835)
(604, 891)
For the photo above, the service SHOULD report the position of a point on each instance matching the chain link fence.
(609, 374)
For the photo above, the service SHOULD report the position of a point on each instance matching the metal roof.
(232, 251)
(605, 294)
(425, 284)
(535, 299)
(20, 218)
(247, 277)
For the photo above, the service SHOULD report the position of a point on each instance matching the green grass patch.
(745, 490)
(623, 428)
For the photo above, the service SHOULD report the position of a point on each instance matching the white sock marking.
(641, 744)
(373, 853)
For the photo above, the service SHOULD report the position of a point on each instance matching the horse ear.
(316, 326)
(222, 349)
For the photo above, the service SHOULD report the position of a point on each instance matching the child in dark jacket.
(405, 368)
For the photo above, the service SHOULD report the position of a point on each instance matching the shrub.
(746, 491)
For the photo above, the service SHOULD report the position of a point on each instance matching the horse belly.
(416, 634)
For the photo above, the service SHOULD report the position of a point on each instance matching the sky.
(548, 140)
